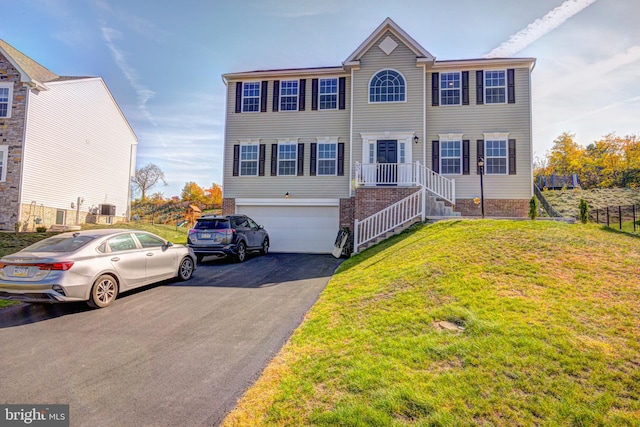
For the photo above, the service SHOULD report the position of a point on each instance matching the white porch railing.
(388, 219)
(374, 174)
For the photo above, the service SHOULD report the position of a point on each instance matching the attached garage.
(296, 225)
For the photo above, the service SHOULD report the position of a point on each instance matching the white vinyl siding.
(6, 99)
(78, 136)
(248, 160)
(250, 97)
(4, 154)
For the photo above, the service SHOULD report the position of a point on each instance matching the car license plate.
(205, 235)
(20, 271)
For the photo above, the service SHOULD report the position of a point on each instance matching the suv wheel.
(241, 252)
(265, 246)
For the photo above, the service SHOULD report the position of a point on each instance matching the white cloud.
(539, 28)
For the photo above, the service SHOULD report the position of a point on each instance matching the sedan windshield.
(59, 244)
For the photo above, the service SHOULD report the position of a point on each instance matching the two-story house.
(309, 151)
(67, 152)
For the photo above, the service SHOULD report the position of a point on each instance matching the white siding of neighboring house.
(473, 121)
(393, 116)
(77, 144)
(305, 126)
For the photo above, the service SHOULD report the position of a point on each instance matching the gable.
(30, 70)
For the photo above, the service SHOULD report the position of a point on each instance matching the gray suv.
(230, 235)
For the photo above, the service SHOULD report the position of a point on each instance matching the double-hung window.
(289, 95)
(250, 97)
(451, 157)
(328, 94)
(387, 86)
(327, 158)
(450, 89)
(4, 154)
(495, 87)
(287, 159)
(6, 95)
(249, 160)
(496, 156)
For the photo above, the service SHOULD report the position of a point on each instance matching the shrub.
(533, 208)
(584, 211)
(41, 229)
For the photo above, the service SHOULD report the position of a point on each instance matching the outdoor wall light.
(415, 139)
(286, 195)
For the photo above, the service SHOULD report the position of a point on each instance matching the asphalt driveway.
(176, 354)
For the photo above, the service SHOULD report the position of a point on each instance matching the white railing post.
(355, 236)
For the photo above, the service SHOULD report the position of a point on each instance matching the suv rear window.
(212, 224)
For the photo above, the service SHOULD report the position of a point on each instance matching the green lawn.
(567, 202)
(550, 334)
(11, 242)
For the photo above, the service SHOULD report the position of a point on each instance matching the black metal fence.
(621, 217)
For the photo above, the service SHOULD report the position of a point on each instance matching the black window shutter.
(479, 87)
(236, 160)
(512, 157)
(465, 157)
(300, 159)
(480, 150)
(312, 159)
(263, 149)
(465, 88)
(342, 89)
(341, 159)
(314, 94)
(276, 95)
(274, 159)
(435, 156)
(511, 86)
(239, 97)
(301, 94)
(263, 97)
(435, 89)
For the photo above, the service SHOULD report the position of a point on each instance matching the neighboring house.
(309, 151)
(67, 153)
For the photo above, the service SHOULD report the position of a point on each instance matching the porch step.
(437, 207)
(399, 229)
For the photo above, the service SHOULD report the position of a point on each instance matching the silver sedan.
(92, 266)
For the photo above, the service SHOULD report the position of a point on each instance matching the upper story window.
(387, 86)
(451, 157)
(250, 97)
(289, 95)
(495, 87)
(450, 88)
(287, 159)
(6, 96)
(248, 160)
(327, 158)
(328, 94)
(4, 154)
(496, 154)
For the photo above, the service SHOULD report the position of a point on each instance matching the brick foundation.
(347, 212)
(228, 206)
(513, 208)
(371, 200)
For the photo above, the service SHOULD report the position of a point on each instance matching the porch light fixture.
(286, 195)
(481, 170)
(416, 139)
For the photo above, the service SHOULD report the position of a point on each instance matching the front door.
(387, 159)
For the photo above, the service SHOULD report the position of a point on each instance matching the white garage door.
(302, 229)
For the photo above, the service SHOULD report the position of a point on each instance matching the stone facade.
(34, 216)
(12, 136)
(228, 206)
(509, 208)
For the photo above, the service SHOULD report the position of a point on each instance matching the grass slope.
(551, 337)
(567, 202)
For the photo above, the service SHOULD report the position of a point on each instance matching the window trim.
(335, 94)
(451, 137)
(441, 90)
(281, 96)
(496, 137)
(486, 87)
(294, 143)
(404, 82)
(4, 156)
(9, 86)
(258, 97)
(327, 141)
(240, 160)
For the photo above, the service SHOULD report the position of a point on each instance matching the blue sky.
(163, 60)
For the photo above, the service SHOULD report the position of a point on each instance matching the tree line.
(150, 175)
(613, 161)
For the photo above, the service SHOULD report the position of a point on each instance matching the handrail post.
(355, 236)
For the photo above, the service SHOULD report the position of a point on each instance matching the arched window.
(387, 86)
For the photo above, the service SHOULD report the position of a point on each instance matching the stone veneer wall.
(42, 216)
(511, 208)
(228, 206)
(12, 134)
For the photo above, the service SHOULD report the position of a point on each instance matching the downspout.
(24, 154)
(129, 183)
(424, 141)
(531, 131)
(351, 177)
